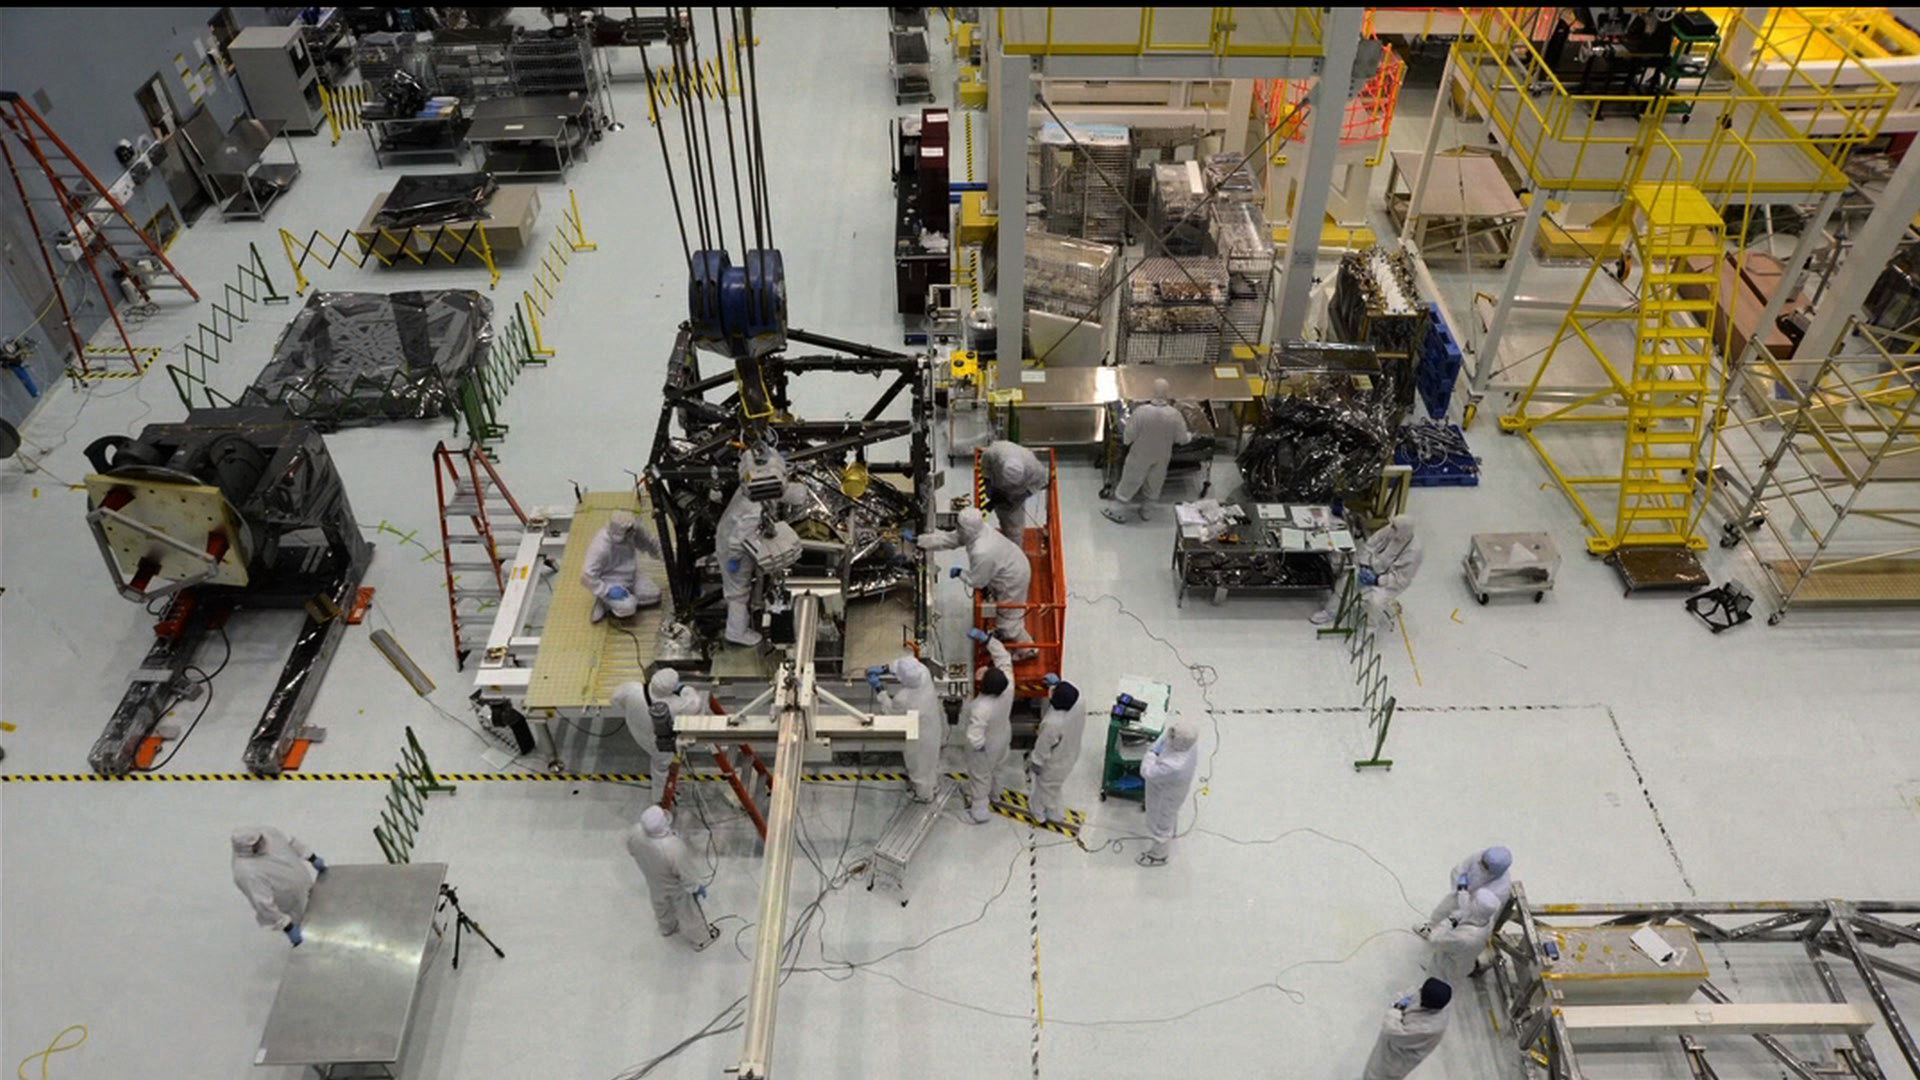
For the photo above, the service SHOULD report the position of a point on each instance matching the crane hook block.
(738, 311)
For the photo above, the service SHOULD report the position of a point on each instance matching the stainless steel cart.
(1519, 562)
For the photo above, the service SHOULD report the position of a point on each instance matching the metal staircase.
(478, 515)
(1670, 383)
(98, 229)
(1665, 399)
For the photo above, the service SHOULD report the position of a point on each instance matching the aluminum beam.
(794, 698)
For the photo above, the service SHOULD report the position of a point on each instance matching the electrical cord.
(57, 1046)
(206, 682)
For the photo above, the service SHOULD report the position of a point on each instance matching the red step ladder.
(478, 515)
(98, 227)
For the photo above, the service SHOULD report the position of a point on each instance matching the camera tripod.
(462, 923)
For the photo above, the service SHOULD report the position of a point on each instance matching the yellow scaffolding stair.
(1665, 398)
(1669, 388)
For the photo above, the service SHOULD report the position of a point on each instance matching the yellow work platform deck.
(580, 662)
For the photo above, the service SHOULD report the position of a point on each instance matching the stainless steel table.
(347, 999)
(532, 135)
(1063, 406)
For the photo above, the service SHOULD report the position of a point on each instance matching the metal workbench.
(346, 1001)
(1066, 405)
(531, 135)
(1273, 555)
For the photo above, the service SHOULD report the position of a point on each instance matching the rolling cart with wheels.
(1129, 738)
(1500, 563)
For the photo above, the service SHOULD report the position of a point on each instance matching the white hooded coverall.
(1168, 771)
(1455, 943)
(995, 564)
(918, 694)
(1014, 473)
(1056, 746)
(989, 734)
(737, 522)
(613, 558)
(276, 879)
(664, 687)
(1394, 555)
(1407, 1036)
(1474, 869)
(667, 864)
(1151, 433)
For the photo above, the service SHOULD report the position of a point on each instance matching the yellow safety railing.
(416, 245)
(342, 104)
(1802, 124)
(1226, 31)
(551, 270)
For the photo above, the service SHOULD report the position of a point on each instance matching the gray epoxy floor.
(1620, 749)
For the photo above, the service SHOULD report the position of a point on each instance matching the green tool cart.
(1128, 740)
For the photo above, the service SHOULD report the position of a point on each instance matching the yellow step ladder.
(1667, 399)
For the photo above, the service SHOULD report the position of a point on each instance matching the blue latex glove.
(909, 535)
(319, 864)
(618, 592)
(977, 634)
(1050, 679)
(700, 893)
(1404, 1003)
(1460, 882)
(873, 680)
(955, 572)
(733, 566)
(294, 935)
(876, 670)
(1368, 577)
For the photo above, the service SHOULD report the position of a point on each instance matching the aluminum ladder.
(909, 827)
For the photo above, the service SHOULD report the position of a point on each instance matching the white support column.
(1328, 105)
(1012, 98)
(1791, 275)
(1233, 137)
(1873, 246)
(1434, 123)
(1736, 52)
(1521, 254)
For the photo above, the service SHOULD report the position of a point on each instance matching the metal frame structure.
(1784, 142)
(1217, 43)
(1822, 928)
(288, 540)
(684, 472)
(1826, 443)
(1797, 108)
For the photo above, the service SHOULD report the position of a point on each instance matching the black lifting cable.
(686, 136)
(706, 131)
(666, 163)
(759, 146)
(726, 106)
(753, 188)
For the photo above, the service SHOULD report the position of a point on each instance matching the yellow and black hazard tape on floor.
(1013, 804)
(450, 778)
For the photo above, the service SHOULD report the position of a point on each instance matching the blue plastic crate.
(1454, 470)
(1439, 367)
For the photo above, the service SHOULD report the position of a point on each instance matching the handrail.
(1500, 63)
